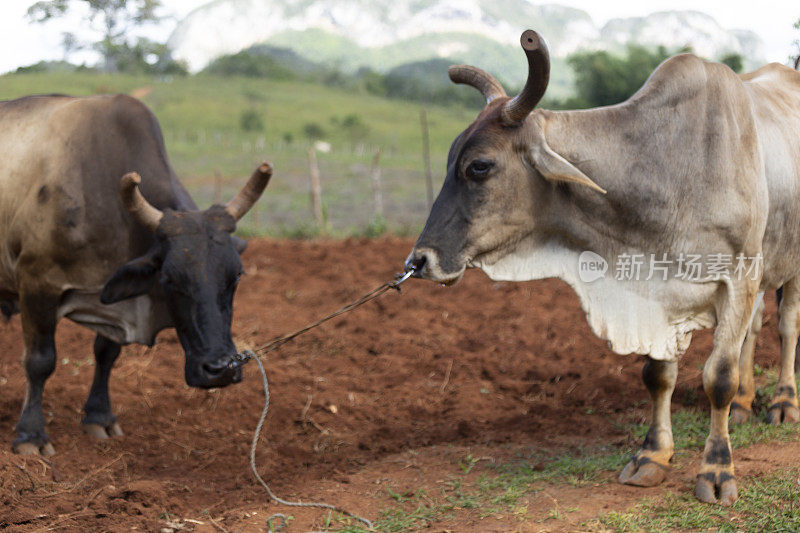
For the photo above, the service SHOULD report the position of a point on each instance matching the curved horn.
(515, 111)
(489, 87)
(251, 192)
(140, 209)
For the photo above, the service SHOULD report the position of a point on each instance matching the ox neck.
(581, 218)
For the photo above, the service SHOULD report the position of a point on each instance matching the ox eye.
(235, 280)
(479, 168)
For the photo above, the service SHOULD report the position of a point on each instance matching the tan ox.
(697, 175)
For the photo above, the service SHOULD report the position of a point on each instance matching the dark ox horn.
(515, 111)
(140, 209)
(251, 192)
(489, 87)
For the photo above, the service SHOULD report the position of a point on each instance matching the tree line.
(112, 22)
(601, 77)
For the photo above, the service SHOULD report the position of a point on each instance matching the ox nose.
(222, 372)
(416, 262)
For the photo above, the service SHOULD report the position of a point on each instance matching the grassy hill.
(211, 126)
(505, 62)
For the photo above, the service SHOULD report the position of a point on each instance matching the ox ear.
(132, 279)
(239, 244)
(554, 167)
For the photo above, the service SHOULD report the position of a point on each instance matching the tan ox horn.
(251, 192)
(489, 87)
(515, 111)
(140, 209)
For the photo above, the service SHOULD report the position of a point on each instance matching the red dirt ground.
(394, 395)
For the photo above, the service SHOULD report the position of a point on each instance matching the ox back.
(62, 226)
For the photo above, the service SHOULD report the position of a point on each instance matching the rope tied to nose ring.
(273, 345)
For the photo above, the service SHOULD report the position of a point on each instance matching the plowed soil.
(393, 395)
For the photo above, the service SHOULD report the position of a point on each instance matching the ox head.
(499, 173)
(195, 261)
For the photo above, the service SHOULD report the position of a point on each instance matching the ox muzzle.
(214, 373)
(427, 264)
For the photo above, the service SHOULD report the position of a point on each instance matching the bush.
(602, 78)
(250, 120)
(735, 61)
(355, 128)
(47, 66)
(376, 227)
(250, 65)
(372, 82)
(314, 131)
(144, 57)
(427, 81)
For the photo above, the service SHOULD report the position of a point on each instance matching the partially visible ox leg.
(650, 465)
(38, 315)
(784, 407)
(742, 405)
(715, 480)
(99, 421)
(779, 294)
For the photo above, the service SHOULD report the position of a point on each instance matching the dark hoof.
(100, 432)
(717, 487)
(643, 472)
(783, 412)
(29, 448)
(739, 414)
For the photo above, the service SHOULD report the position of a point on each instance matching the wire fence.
(362, 188)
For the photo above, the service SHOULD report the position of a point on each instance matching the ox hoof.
(29, 448)
(719, 487)
(643, 472)
(739, 414)
(101, 432)
(783, 412)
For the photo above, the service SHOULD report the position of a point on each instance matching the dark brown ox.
(699, 163)
(78, 242)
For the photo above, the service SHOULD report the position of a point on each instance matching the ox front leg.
(650, 465)
(38, 314)
(715, 480)
(742, 405)
(784, 407)
(99, 421)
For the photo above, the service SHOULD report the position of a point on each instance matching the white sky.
(23, 43)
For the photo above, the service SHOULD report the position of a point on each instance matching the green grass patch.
(498, 490)
(690, 426)
(769, 504)
(690, 429)
(576, 468)
(765, 504)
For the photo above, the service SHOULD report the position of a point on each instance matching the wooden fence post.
(426, 155)
(377, 194)
(217, 186)
(316, 189)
